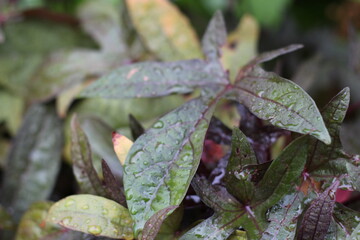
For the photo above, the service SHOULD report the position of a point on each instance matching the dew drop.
(159, 124)
(85, 207)
(105, 211)
(66, 221)
(94, 229)
(69, 203)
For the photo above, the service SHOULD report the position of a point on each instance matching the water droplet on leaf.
(94, 229)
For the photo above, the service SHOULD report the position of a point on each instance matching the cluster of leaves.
(143, 186)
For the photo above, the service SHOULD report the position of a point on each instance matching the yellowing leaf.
(93, 215)
(164, 29)
(122, 146)
(241, 45)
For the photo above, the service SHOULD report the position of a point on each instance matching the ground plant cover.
(117, 122)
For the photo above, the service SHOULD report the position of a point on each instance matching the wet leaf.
(238, 235)
(152, 79)
(282, 175)
(283, 218)
(238, 180)
(33, 226)
(92, 214)
(355, 234)
(11, 110)
(317, 218)
(164, 29)
(346, 217)
(34, 159)
(229, 214)
(329, 159)
(153, 225)
(214, 37)
(241, 46)
(135, 126)
(162, 161)
(280, 102)
(122, 146)
(169, 227)
(86, 175)
(112, 186)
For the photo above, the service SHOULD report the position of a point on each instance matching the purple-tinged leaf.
(153, 79)
(283, 218)
(328, 159)
(228, 212)
(33, 162)
(162, 162)
(153, 225)
(281, 102)
(85, 173)
(135, 126)
(347, 218)
(214, 37)
(112, 186)
(238, 180)
(317, 218)
(282, 175)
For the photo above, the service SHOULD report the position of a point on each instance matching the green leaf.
(214, 37)
(86, 175)
(102, 20)
(161, 162)
(152, 79)
(5, 219)
(355, 234)
(346, 217)
(170, 226)
(33, 226)
(281, 176)
(164, 29)
(92, 214)
(329, 159)
(317, 218)
(227, 217)
(34, 159)
(11, 110)
(241, 46)
(153, 225)
(238, 180)
(281, 102)
(283, 218)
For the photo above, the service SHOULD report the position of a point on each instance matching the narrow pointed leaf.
(281, 102)
(238, 180)
(214, 37)
(153, 225)
(152, 79)
(161, 162)
(328, 159)
(112, 186)
(93, 215)
(122, 146)
(355, 234)
(135, 126)
(85, 173)
(34, 159)
(164, 29)
(282, 175)
(317, 218)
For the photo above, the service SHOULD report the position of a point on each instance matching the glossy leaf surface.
(280, 102)
(93, 215)
(161, 163)
(152, 79)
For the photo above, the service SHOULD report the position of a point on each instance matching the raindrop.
(85, 207)
(159, 124)
(69, 203)
(105, 211)
(66, 221)
(94, 229)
